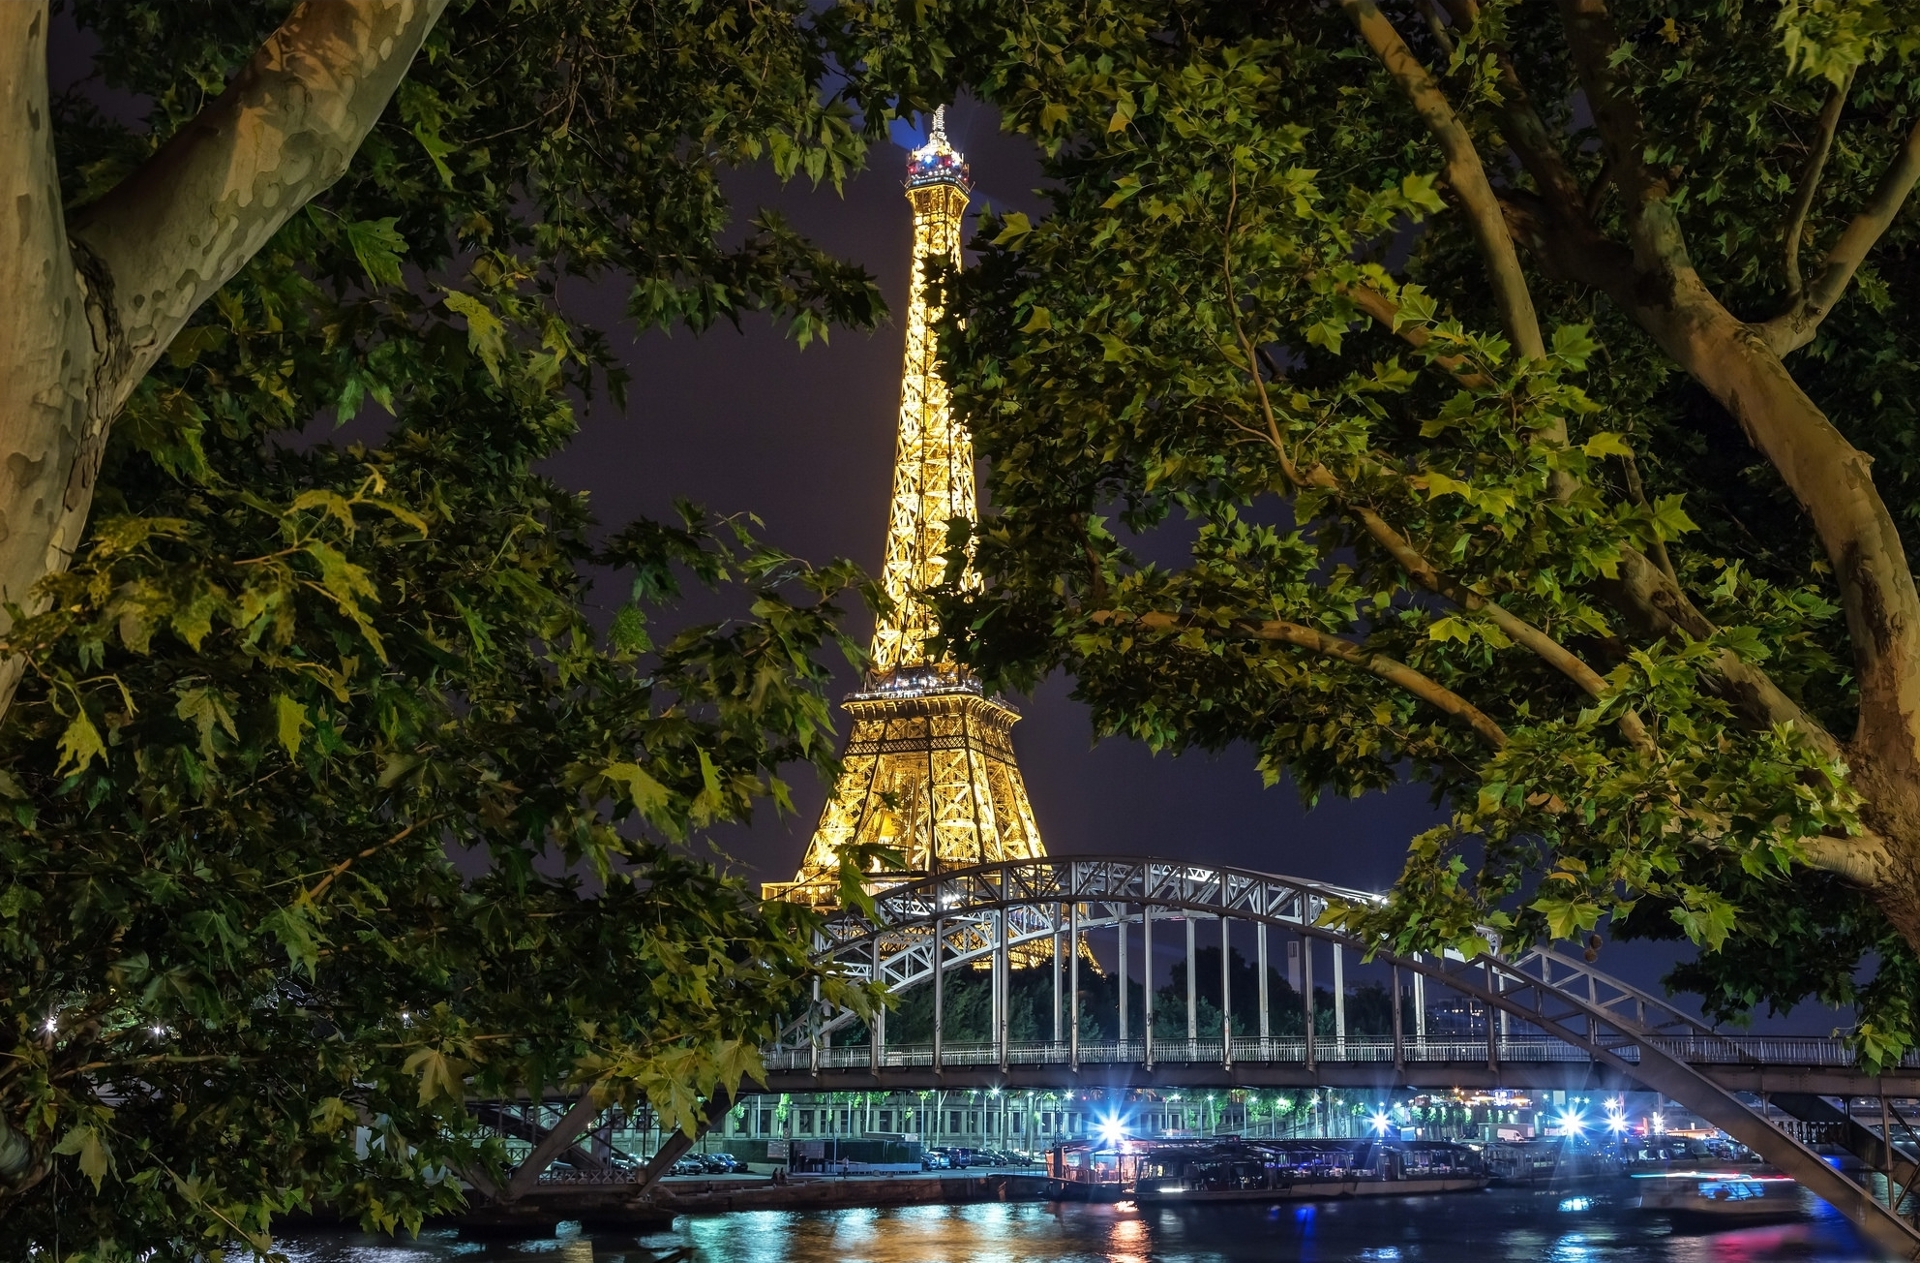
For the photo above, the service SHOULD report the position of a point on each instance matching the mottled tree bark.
(94, 302)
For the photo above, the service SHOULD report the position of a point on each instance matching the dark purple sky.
(804, 439)
(745, 421)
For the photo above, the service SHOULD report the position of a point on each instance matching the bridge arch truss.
(1553, 1007)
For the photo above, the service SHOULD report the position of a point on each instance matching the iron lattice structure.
(929, 769)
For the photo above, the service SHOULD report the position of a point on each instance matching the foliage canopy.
(1485, 391)
(331, 800)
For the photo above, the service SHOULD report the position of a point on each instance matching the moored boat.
(1719, 1198)
(1232, 1169)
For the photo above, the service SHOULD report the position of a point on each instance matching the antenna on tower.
(938, 138)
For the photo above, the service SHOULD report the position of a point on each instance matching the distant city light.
(1112, 1129)
(1572, 1123)
(1380, 1123)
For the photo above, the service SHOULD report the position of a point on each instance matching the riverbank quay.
(609, 1206)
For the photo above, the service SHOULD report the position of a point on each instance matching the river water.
(1497, 1226)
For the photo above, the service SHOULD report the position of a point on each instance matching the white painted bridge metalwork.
(1556, 1013)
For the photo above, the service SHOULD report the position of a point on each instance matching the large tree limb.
(1795, 327)
(1464, 173)
(1833, 481)
(96, 302)
(1340, 649)
(1650, 599)
(55, 333)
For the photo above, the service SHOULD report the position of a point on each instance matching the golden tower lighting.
(929, 769)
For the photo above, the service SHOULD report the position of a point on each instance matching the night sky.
(745, 421)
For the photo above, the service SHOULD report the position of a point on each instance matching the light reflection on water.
(1501, 1226)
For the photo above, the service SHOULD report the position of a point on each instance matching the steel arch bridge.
(1559, 1016)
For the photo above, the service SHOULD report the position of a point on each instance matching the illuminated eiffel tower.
(929, 770)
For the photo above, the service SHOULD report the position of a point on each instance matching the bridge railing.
(1735, 1050)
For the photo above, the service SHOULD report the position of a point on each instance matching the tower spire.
(929, 769)
(933, 457)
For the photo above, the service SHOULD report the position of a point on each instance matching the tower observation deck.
(929, 769)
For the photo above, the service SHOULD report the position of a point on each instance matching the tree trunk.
(95, 303)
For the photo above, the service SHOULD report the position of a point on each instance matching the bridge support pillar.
(1306, 993)
(1399, 1036)
(1266, 1029)
(939, 993)
(1339, 1001)
(1073, 987)
(877, 1036)
(1146, 979)
(1193, 1013)
(1226, 993)
(1002, 990)
(1126, 983)
(1056, 973)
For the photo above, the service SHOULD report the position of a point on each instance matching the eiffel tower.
(929, 770)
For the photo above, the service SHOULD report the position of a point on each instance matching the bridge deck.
(1755, 1064)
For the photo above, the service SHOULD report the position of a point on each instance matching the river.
(1497, 1226)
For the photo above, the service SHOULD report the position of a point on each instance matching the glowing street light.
(1380, 1122)
(1112, 1129)
(1572, 1123)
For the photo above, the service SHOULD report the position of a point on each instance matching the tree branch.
(1865, 860)
(1648, 598)
(1810, 183)
(1386, 312)
(1464, 174)
(1517, 629)
(1659, 249)
(1649, 594)
(1795, 327)
(1391, 670)
(1523, 128)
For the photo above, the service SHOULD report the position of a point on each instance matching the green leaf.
(436, 150)
(441, 1077)
(378, 247)
(1014, 227)
(297, 936)
(291, 721)
(648, 796)
(80, 744)
(83, 1140)
(1573, 345)
(486, 336)
(1419, 190)
(1606, 443)
(1567, 917)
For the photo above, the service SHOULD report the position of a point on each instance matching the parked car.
(721, 1163)
(688, 1166)
(935, 1160)
(951, 1158)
